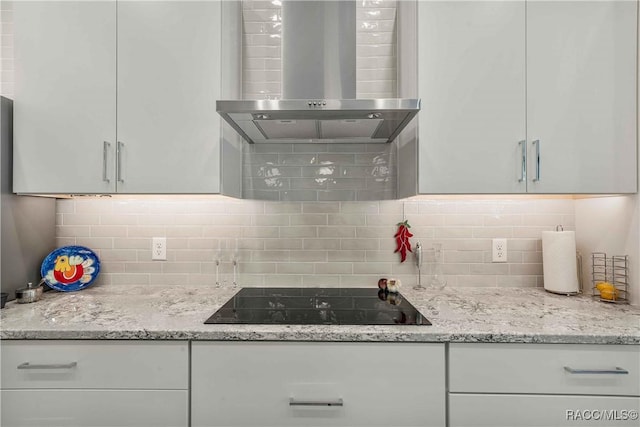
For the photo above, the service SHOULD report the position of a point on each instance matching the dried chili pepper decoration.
(402, 240)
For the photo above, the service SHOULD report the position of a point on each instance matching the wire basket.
(610, 278)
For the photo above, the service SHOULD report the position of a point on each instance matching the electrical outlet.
(499, 250)
(159, 249)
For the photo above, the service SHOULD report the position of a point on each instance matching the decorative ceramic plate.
(70, 268)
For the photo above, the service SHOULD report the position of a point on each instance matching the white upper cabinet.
(581, 96)
(168, 84)
(534, 97)
(65, 97)
(472, 86)
(117, 97)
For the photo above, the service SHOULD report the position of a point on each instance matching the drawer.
(519, 410)
(93, 408)
(317, 384)
(545, 368)
(95, 364)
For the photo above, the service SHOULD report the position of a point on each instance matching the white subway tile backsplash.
(296, 232)
(333, 268)
(486, 268)
(288, 208)
(283, 280)
(346, 255)
(304, 195)
(346, 219)
(73, 231)
(359, 244)
(321, 207)
(270, 220)
(526, 269)
(260, 232)
(295, 268)
(328, 281)
(95, 242)
(304, 243)
(281, 244)
(321, 244)
(337, 231)
(141, 267)
(308, 256)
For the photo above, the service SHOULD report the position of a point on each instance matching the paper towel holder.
(569, 286)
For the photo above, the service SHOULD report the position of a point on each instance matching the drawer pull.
(27, 365)
(596, 371)
(337, 402)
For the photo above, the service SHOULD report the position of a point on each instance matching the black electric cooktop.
(318, 306)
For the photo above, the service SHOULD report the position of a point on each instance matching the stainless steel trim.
(318, 43)
(537, 144)
(617, 371)
(295, 402)
(27, 365)
(105, 156)
(523, 172)
(119, 149)
(392, 113)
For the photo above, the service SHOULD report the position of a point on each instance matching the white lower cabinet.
(543, 385)
(85, 408)
(532, 410)
(94, 383)
(317, 384)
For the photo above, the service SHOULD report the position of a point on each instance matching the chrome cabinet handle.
(295, 402)
(105, 156)
(27, 365)
(617, 370)
(119, 163)
(523, 171)
(537, 144)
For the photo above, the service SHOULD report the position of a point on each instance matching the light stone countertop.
(504, 315)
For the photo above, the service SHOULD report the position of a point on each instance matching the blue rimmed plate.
(70, 268)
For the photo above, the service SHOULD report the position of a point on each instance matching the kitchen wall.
(375, 49)
(309, 243)
(612, 225)
(120, 229)
(6, 49)
(320, 172)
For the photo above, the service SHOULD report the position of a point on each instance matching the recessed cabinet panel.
(65, 97)
(472, 86)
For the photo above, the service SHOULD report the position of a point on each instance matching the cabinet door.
(536, 410)
(168, 83)
(56, 364)
(65, 98)
(472, 87)
(578, 369)
(581, 96)
(317, 384)
(94, 408)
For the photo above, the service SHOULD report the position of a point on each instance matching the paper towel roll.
(559, 262)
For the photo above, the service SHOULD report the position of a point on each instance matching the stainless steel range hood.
(319, 85)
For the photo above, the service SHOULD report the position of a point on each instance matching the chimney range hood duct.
(319, 85)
